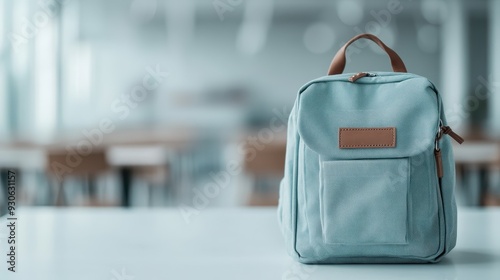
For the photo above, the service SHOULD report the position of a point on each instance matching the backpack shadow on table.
(461, 257)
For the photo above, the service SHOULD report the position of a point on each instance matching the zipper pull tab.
(452, 134)
(359, 75)
(439, 163)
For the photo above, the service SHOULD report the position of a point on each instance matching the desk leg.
(3, 188)
(59, 198)
(483, 185)
(126, 175)
(4, 174)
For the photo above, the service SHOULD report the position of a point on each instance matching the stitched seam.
(393, 143)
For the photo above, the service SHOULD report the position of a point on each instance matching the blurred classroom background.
(184, 103)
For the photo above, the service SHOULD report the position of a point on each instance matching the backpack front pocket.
(364, 202)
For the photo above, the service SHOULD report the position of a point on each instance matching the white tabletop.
(231, 243)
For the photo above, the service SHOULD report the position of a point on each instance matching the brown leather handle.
(338, 63)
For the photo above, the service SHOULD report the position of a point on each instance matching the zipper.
(359, 75)
(447, 130)
(437, 151)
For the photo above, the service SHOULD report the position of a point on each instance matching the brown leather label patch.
(358, 138)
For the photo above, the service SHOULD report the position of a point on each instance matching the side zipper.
(437, 151)
(447, 130)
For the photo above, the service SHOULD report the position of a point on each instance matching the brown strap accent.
(439, 163)
(338, 63)
(449, 131)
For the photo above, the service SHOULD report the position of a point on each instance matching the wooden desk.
(481, 156)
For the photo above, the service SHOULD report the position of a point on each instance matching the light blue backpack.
(369, 175)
